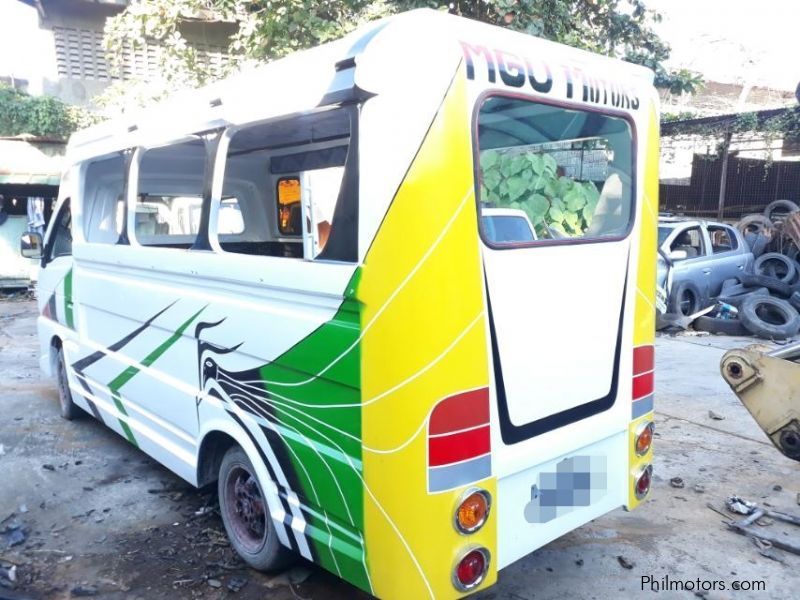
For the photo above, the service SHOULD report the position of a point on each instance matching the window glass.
(62, 233)
(230, 220)
(663, 234)
(507, 227)
(170, 195)
(285, 174)
(689, 241)
(722, 239)
(568, 171)
(103, 204)
(290, 218)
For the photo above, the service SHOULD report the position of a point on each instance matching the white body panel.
(146, 316)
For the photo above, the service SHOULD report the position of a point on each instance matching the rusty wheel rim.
(246, 509)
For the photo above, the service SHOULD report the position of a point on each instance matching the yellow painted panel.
(644, 325)
(424, 340)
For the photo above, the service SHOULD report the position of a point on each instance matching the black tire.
(246, 516)
(758, 243)
(769, 318)
(686, 299)
(755, 224)
(737, 299)
(729, 284)
(67, 407)
(773, 285)
(780, 207)
(720, 326)
(775, 265)
(794, 300)
(735, 290)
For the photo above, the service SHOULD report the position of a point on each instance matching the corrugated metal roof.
(24, 162)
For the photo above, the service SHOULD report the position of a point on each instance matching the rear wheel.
(245, 514)
(69, 410)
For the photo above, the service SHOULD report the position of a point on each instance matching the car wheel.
(769, 318)
(685, 299)
(246, 516)
(69, 410)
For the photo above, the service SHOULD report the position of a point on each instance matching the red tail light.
(642, 484)
(643, 380)
(471, 569)
(459, 441)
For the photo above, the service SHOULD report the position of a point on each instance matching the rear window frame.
(476, 168)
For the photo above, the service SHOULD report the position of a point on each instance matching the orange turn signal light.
(644, 438)
(472, 511)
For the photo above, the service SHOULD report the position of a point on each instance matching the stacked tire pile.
(768, 298)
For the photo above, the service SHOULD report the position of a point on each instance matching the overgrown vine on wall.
(41, 116)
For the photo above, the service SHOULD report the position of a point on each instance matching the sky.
(730, 41)
(734, 41)
(25, 50)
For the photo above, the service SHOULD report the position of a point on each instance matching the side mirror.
(30, 245)
(676, 255)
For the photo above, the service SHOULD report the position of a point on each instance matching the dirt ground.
(99, 518)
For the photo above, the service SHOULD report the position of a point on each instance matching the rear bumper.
(542, 503)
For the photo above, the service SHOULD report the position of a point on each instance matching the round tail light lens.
(644, 437)
(471, 569)
(472, 511)
(642, 485)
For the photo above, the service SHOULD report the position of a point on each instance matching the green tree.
(269, 29)
(44, 116)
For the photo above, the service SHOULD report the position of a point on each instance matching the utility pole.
(723, 178)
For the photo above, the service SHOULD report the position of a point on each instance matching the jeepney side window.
(568, 172)
(289, 177)
(103, 204)
(169, 195)
(61, 244)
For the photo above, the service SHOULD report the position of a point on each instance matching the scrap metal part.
(768, 384)
(755, 513)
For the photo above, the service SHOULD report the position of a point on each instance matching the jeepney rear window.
(568, 170)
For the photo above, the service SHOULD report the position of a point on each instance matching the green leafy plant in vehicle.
(530, 182)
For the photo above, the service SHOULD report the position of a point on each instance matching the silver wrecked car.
(694, 258)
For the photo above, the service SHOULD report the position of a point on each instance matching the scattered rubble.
(83, 591)
(676, 482)
(625, 563)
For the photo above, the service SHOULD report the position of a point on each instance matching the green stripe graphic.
(68, 310)
(131, 371)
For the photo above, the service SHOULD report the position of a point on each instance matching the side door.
(728, 258)
(55, 276)
(696, 267)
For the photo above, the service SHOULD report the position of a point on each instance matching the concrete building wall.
(59, 48)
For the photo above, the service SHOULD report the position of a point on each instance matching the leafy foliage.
(269, 29)
(42, 116)
(530, 182)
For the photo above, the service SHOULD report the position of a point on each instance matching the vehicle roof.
(673, 222)
(383, 55)
(503, 212)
